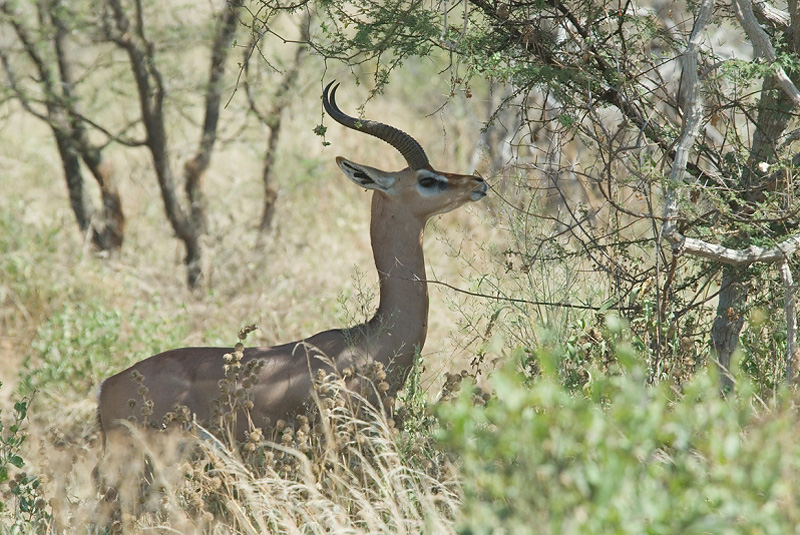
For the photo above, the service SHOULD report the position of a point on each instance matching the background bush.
(621, 456)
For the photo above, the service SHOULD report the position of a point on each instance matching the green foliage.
(621, 457)
(388, 31)
(11, 442)
(84, 342)
(20, 493)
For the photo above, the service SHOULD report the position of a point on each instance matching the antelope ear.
(365, 176)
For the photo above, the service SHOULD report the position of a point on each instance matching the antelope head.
(423, 190)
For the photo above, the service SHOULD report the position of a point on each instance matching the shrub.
(22, 508)
(620, 456)
(82, 343)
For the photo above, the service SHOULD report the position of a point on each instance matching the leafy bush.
(21, 500)
(84, 342)
(620, 456)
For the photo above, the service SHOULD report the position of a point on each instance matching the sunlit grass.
(69, 318)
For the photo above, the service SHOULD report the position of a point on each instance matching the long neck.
(400, 324)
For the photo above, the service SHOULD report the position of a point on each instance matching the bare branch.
(29, 45)
(770, 15)
(517, 300)
(20, 95)
(790, 308)
(111, 136)
(273, 119)
(195, 168)
(763, 47)
(738, 257)
(151, 91)
(691, 103)
(692, 106)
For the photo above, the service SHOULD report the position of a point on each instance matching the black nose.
(479, 192)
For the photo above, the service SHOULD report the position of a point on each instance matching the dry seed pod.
(380, 373)
(247, 329)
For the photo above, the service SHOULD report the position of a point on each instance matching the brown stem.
(195, 168)
(150, 87)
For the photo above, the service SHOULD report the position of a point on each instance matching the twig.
(792, 356)
(763, 47)
(737, 257)
(519, 300)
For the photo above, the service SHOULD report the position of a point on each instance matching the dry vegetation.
(567, 445)
(82, 317)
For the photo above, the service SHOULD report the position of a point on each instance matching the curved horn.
(407, 145)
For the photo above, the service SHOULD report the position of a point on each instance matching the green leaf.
(22, 409)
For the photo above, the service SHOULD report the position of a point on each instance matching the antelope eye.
(427, 182)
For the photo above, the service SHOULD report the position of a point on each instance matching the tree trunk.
(774, 113)
(110, 229)
(109, 223)
(195, 168)
(55, 78)
(728, 322)
(107, 226)
(189, 227)
(274, 118)
(71, 164)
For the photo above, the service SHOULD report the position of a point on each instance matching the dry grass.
(312, 272)
(345, 468)
(290, 282)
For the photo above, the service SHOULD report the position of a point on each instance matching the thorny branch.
(790, 309)
(763, 47)
(691, 103)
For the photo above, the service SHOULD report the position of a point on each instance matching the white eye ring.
(429, 179)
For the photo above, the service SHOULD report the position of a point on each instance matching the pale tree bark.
(728, 323)
(790, 310)
(779, 97)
